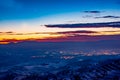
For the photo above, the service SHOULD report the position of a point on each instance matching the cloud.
(92, 12)
(86, 25)
(9, 32)
(76, 38)
(35, 33)
(109, 16)
(72, 36)
(74, 32)
(80, 38)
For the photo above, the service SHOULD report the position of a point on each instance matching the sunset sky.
(26, 20)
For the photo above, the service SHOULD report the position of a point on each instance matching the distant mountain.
(104, 24)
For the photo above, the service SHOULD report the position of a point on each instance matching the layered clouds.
(59, 20)
(63, 34)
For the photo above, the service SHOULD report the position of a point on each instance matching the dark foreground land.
(103, 70)
(60, 61)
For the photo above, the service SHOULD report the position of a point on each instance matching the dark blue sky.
(29, 9)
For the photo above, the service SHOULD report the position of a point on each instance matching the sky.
(26, 19)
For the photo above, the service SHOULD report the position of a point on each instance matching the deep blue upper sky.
(29, 9)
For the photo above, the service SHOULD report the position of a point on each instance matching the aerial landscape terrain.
(59, 39)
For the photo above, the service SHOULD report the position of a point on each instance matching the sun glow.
(40, 32)
(4, 36)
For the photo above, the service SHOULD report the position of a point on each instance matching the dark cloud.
(109, 16)
(9, 32)
(10, 41)
(13, 33)
(86, 25)
(19, 34)
(113, 31)
(81, 38)
(92, 12)
(72, 32)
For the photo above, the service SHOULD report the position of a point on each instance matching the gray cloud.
(109, 16)
(86, 25)
(92, 12)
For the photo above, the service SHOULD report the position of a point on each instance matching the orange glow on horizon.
(56, 33)
(4, 42)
